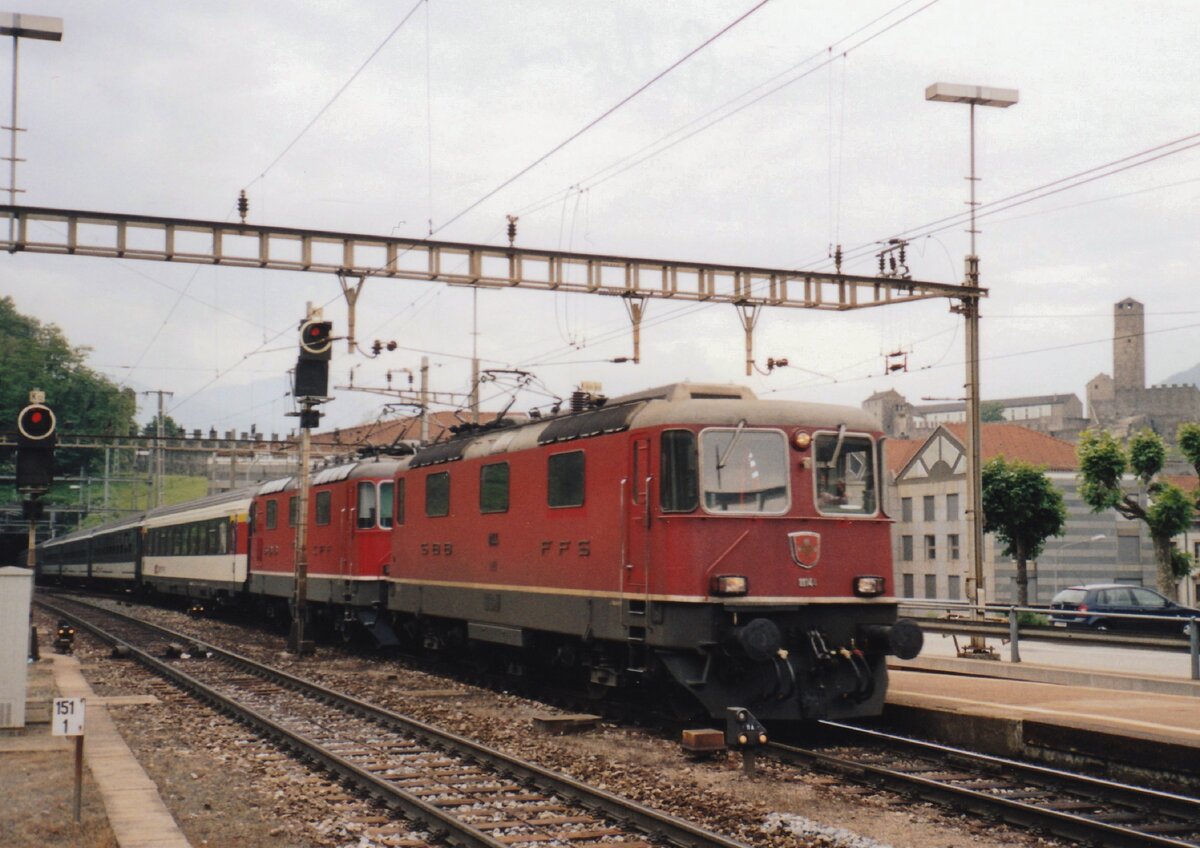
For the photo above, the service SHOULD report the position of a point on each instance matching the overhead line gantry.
(354, 255)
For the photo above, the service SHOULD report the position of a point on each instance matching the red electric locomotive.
(349, 546)
(691, 540)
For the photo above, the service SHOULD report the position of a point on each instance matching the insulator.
(578, 400)
(243, 205)
(881, 264)
(903, 245)
(391, 345)
(892, 263)
(837, 259)
(512, 229)
(377, 347)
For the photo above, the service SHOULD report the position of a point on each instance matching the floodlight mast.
(974, 95)
(22, 26)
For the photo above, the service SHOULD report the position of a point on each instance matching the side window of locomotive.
(324, 507)
(366, 505)
(385, 504)
(744, 471)
(845, 474)
(493, 487)
(293, 510)
(272, 513)
(437, 494)
(565, 479)
(399, 497)
(679, 477)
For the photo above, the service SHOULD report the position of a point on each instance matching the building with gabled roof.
(926, 495)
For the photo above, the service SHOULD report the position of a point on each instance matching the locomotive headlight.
(869, 586)
(800, 440)
(729, 584)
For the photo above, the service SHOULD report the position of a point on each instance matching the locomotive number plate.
(807, 582)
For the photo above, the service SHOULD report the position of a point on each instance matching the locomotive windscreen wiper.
(737, 434)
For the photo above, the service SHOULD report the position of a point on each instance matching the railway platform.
(1119, 721)
(136, 813)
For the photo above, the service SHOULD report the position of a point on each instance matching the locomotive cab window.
(272, 510)
(680, 477)
(845, 474)
(743, 470)
(366, 505)
(293, 510)
(385, 504)
(398, 496)
(493, 487)
(565, 479)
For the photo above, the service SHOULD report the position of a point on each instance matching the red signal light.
(36, 422)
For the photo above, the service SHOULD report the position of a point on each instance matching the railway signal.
(312, 368)
(35, 446)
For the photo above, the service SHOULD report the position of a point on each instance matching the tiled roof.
(385, 432)
(1184, 481)
(1012, 441)
(897, 453)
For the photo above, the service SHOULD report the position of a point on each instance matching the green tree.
(991, 411)
(171, 429)
(1103, 463)
(1024, 509)
(38, 356)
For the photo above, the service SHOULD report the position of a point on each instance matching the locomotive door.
(637, 519)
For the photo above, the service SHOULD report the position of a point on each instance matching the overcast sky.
(171, 108)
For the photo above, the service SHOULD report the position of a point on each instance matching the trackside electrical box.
(16, 593)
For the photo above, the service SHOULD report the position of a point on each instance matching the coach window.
(399, 498)
(743, 470)
(385, 504)
(293, 510)
(493, 487)
(366, 505)
(679, 476)
(565, 479)
(272, 513)
(223, 530)
(437, 494)
(324, 508)
(845, 474)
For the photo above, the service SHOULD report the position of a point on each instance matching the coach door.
(637, 518)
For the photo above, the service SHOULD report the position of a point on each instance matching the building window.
(679, 475)
(952, 545)
(564, 485)
(908, 585)
(1129, 550)
(906, 548)
(437, 494)
(324, 507)
(931, 547)
(952, 507)
(906, 509)
(493, 487)
(929, 508)
(272, 511)
(954, 587)
(931, 585)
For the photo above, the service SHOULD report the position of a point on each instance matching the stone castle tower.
(1129, 346)
(1123, 403)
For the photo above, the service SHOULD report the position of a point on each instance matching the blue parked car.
(1101, 600)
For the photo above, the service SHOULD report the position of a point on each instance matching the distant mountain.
(1190, 376)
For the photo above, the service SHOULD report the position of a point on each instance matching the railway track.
(455, 790)
(1074, 806)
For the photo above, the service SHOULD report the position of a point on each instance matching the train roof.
(215, 504)
(367, 468)
(703, 404)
